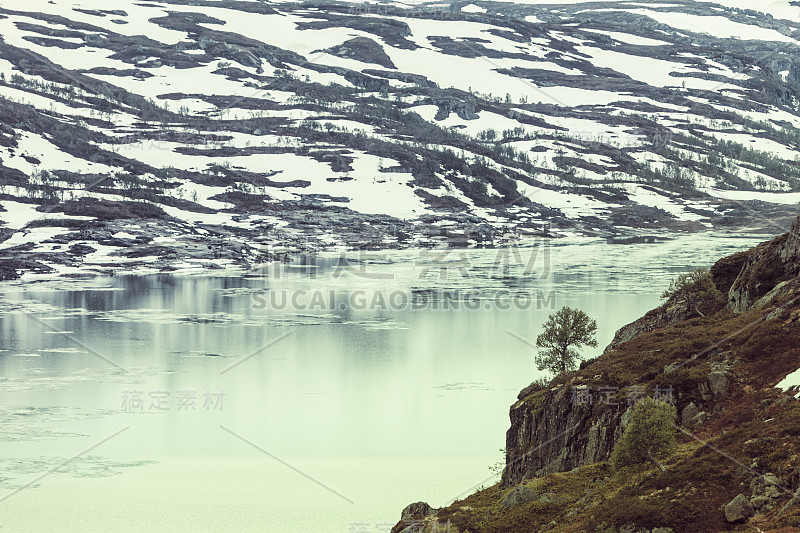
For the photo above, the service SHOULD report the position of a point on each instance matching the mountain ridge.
(274, 128)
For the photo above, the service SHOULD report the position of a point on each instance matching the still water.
(322, 396)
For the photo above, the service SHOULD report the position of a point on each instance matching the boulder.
(765, 489)
(692, 416)
(667, 315)
(670, 368)
(416, 512)
(738, 510)
(688, 413)
(718, 383)
(519, 495)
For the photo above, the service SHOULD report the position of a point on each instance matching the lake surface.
(323, 396)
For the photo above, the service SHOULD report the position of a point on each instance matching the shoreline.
(33, 267)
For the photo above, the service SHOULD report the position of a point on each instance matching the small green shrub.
(650, 434)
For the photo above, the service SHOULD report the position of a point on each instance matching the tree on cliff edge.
(564, 332)
(695, 290)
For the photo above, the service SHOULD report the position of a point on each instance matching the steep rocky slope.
(739, 420)
(176, 133)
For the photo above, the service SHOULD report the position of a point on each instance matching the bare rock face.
(791, 251)
(738, 510)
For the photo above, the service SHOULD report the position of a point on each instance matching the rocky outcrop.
(692, 416)
(416, 511)
(519, 495)
(751, 279)
(363, 49)
(552, 433)
(770, 271)
(413, 517)
(738, 510)
(10, 267)
(766, 489)
(661, 317)
(464, 110)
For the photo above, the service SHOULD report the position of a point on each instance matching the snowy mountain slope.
(221, 131)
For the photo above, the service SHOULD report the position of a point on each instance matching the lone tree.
(564, 332)
(695, 290)
(650, 434)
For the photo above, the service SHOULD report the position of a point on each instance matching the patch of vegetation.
(649, 435)
(111, 210)
(697, 291)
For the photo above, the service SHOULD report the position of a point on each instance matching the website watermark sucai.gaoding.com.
(322, 300)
